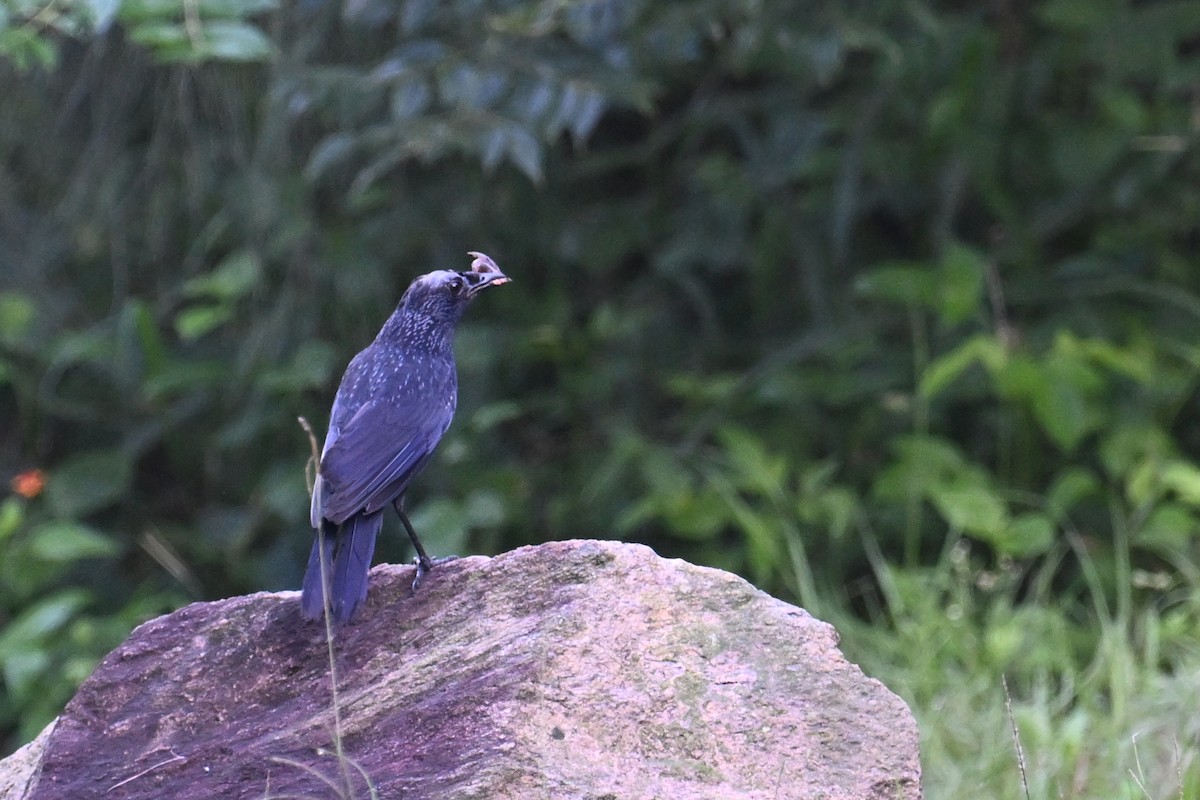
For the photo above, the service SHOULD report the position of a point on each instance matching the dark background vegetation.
(890, 307)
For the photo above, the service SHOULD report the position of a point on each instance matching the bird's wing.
(375, 454)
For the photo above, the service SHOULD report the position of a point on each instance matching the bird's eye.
(456, 285)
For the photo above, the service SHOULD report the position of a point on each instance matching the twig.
(316, 773)
(310, 471)
(314, 460)
(174, 757)
(779, 777)
(1016, 736)
(1140, 774)
(1178, 766)
(995, 290)
(191, 22)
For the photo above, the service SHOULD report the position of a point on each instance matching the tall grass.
(1105, 693)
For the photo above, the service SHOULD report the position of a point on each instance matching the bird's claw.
(424, 565)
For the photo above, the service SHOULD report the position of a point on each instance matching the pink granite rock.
(576, 669)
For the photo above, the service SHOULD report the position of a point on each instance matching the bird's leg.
(424, 563)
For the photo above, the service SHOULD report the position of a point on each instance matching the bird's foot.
(424, 565)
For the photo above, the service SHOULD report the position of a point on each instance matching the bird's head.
(435, 301)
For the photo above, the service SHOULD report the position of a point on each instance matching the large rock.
(569, 670)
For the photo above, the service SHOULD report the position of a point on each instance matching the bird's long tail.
(347, 552)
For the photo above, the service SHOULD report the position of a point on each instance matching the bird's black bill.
(478, 281)
(483, 273)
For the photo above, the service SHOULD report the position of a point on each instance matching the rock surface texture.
(574, 669)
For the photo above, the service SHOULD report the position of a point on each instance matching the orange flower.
(29, 484)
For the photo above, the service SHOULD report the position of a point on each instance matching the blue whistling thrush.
(393, 405)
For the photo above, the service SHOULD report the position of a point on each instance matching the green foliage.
(978, 652)
(819, 293)
(31, 31)
(59, 629)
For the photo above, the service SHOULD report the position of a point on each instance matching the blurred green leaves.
(453, 85)
(217, 40)
(69, 541)
(16, 314)
(953, 288)
(191, 32)
(964, 495)
(88, 482)
(216, 294)
(55, 635)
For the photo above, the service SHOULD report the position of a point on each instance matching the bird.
(394, 403)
